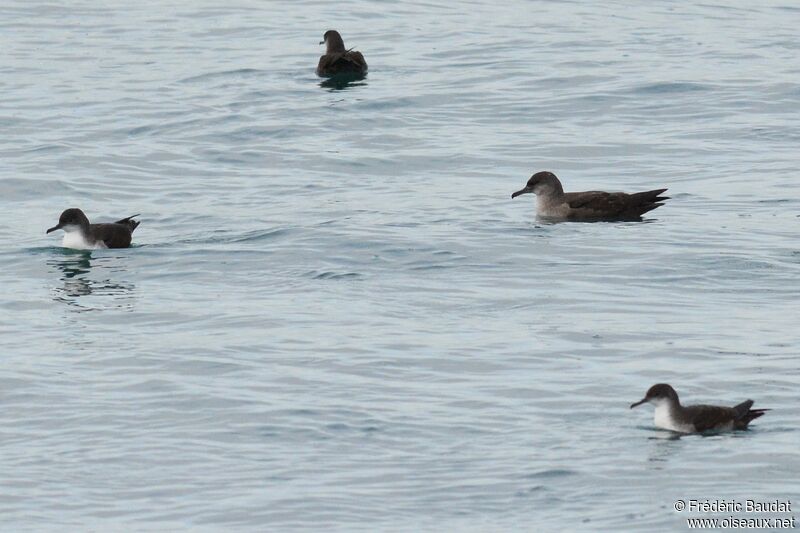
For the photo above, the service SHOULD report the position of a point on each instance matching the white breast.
(663, 419)
(76, 241)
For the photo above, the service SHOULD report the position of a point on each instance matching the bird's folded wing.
(601, 202)
(707, 417)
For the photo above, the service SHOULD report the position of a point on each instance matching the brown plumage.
(710, 417)
(112, 235)
(338, 60)
(588, 206)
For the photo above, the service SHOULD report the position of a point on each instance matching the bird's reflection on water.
(662, 447)
(83, 275)
(343, 81)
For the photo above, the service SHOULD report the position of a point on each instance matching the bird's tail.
(745, 415)
(752, 414)
(128, 221)
(642, 202)
(649, 197)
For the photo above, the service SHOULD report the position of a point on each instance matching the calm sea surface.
(335, 318)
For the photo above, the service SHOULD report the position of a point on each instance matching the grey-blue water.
(335, 318)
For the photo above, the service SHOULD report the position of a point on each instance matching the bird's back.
(349, 62)
(714, 417)
(599, 205)
(115, 234)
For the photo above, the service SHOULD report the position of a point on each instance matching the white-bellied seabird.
(81, 235)
(671, 415)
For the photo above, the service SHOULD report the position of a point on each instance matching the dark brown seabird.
(589, 206)
(671, 415)
(337, 60)
(81, 235)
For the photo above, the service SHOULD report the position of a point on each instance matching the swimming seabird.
(81, 235)
(337, 60)
(553, 203)
(671, 415)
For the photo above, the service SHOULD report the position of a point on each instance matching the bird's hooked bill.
(640, 402)
(526, 190)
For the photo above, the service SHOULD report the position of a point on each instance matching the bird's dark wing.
(324, 63)
(597, 202)
(114, 235)
(358, 59)
(126, 219)
(743, 408)
(613, 205)
(341, 63)
(746, 414)
(709, 417)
